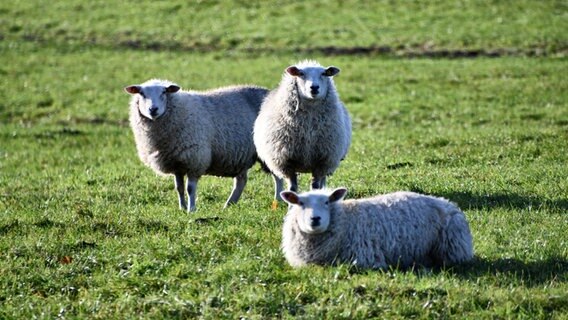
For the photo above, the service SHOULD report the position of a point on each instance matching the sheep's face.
(151, 99)
(312, 209)
(313, 82)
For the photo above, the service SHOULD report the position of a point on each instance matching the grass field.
(86, 231)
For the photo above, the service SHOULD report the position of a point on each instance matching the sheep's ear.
(173, 88)
(132, 89)
(331, 71)
(294, 71)
(290, 196)
(337, 194)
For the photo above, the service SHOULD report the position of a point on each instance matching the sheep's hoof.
(274, 205)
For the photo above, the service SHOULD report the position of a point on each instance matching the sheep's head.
(312, 209)
(312, 79)
(152, 97)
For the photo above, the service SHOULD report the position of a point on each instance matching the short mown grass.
(86, 231)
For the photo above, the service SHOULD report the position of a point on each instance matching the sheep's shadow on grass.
(503, 271)
(468, 200)
(508, 270)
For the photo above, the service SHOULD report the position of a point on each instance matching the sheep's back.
(402, 226)
(233, 111)
(201, 132)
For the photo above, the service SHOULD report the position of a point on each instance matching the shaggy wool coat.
(294, 135)
(201, 132)
(400, 229)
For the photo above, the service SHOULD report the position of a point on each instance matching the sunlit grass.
(87, 231)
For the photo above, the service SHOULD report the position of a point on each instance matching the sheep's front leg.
(239, 183)
(192, 191)
(180, 190)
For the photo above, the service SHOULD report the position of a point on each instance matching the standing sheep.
(190, 133)
(398, 229)
(302, 126)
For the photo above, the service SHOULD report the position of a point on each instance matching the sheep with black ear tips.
(303, 127)
(191, 133)
(401, 229)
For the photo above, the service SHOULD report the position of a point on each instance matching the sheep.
(401, 229)
(303, 127)
(191, 133)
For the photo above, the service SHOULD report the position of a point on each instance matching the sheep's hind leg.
(293, 182)
(192, 191)
(239, 183)
(318, 183)
(278, 187)
(181, 191)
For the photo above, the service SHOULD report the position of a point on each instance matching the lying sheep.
(302, 126)
(399, 229)
(190, 133)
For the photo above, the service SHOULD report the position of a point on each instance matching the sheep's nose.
(316, 221)
(314, 88)
(153, 111)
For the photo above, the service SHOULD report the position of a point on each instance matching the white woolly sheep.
(401, 229)
(303, 127)
(190, 133)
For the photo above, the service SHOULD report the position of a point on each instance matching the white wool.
(401, 229)
(191, 133)
(303, 127)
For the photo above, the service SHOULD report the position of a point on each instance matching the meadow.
(465, 100)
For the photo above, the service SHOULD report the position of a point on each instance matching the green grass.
(267, 25)
(86, 231)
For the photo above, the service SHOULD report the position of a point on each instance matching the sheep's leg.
(191, 191)
(293, 182)
(181, 191)
(318, 183)
(278, 187)
(315, 183)
(239, 183)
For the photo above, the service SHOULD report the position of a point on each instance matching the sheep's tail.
(456, 243)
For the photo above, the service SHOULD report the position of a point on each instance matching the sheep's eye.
(301, 203)
(326, 202)
(301, 74)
